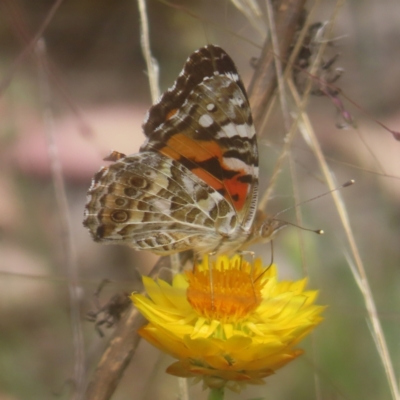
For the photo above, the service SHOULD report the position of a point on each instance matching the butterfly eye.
(266, 229)
(270, 227)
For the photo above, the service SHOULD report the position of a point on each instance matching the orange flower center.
(227, 294)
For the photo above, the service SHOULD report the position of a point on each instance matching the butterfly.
(194, 183)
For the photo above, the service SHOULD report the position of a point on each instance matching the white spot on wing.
(210, 107)
(244, 130)
(238, 165)
(162, 205)
(228, 130)
(231, 130)
(188, 184)
(237, 101)
(232, 76)
(205, 121)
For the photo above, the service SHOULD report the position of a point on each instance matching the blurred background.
(96, 86)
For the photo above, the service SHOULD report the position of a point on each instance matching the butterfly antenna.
(272, 254)
(317, 231)
(346, 184)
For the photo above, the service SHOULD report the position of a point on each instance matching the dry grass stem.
(151, 62)
(153, 76)
(7, 78)
(251, 10)
(69, 257)
(362, 279)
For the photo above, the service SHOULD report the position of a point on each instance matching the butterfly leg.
(270, 263)
(244, 253)
(210, 271)
(251, 254)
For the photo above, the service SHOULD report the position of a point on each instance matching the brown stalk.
(261, 89)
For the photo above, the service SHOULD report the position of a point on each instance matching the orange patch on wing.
(192, 149)
(171, 153)
(237, 190)
(181, 145)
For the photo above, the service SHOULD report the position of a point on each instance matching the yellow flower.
(229, 326)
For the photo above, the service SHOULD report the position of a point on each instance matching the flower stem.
(216, 394)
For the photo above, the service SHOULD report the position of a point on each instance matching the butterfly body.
(194, 183)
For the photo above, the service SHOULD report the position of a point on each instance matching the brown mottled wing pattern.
(151, 202)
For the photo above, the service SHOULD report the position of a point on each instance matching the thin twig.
(288, 139)
(69, 259)
(18, 21)
(151, 62)
(278, 64)
(7, 78)
(211, 23)
(284, 46)
(251, 10)
(263, 84)
(153, 76)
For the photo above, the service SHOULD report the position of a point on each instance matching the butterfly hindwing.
(151, 202)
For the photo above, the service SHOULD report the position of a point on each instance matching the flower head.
(228, 323)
